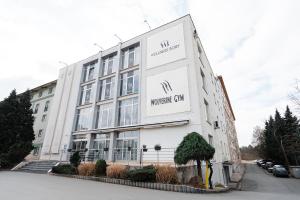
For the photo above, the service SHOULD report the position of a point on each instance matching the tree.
(194, 147)
(16, 128)
(75, 159)
(291, 139)
(295, 96)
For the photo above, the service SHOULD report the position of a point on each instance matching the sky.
(253, 44)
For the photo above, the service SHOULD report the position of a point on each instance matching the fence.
(130, 155)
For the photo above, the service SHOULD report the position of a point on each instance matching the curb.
(149, 185)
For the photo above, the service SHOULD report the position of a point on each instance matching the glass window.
(83, 119)
(104, 116)
(203, 80)
(207, 110)
(44, 117)
(129, 82)
(46, 106)
(107, 88)
(50, 90)
(40, 133)
(128, 112)
(210, 140)
(36, 109)
(86, 94)
(40, 93)
(79, 145)
(127, 145)
(100, 147)
(108, 65)
(130, 57)
(89, 71)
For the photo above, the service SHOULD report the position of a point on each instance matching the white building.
(152, 89)
(41, 99)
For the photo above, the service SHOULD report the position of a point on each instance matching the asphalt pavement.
(19, 185)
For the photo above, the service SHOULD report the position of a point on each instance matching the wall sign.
(165, 46)
(168, 92)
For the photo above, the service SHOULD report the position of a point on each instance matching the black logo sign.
(166, 86)
(164, 44)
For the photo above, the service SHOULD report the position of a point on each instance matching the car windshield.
(275, 166)
(280, 169)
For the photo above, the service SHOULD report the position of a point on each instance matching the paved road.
(25, 186)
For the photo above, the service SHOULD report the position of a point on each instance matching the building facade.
(41, 100)
(151, 90)
(235, 155)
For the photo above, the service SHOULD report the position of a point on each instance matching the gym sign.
(168, 92)
(165, 46)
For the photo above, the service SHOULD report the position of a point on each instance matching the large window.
(86, 94)
(107, 88)
(46, 106)
(104, 116)
(207, 113)
(36, 109)
(127, 145)
(83, 119)
(203, 81)
(130, 57)
(108, 65)
(89, 71)
(129, 82)
(128, 112)
(100, 147)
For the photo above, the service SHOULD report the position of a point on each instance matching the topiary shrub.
(117, 171)
(101, 168)
(142, 175)
(64, 169)
(75, 159)
(86, 169)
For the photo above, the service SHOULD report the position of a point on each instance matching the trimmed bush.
(166, 174)
(101, 168)
(64, 169)
(116, 171)
(75, 159)
(142, 175)
(86, 169)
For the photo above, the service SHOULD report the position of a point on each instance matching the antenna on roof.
(145, 21)
(97, 45)
(118, 38)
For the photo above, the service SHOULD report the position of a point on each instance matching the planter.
(150, 185)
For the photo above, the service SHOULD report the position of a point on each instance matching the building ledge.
(135, 127)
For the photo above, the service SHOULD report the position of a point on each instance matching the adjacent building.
(150, 90)
(41, 100)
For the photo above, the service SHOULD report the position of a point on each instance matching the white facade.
(152, 89)
(41, 100)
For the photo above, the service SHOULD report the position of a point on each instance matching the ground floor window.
(127, 145)
(100, 147)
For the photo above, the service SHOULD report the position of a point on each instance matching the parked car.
(280, 171)
(268, 164)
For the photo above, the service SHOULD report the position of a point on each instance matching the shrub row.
(161, 174)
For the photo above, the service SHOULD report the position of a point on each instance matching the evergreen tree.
(16, 128)
(194, 147)
(291, 139)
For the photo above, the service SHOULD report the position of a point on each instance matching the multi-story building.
(233, 145)
(150, 90)
(41, 99)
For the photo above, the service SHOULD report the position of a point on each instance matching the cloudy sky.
(253, 44)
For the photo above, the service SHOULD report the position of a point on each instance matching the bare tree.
(257, 136)
(295, 96)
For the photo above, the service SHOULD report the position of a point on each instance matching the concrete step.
(38, 166)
